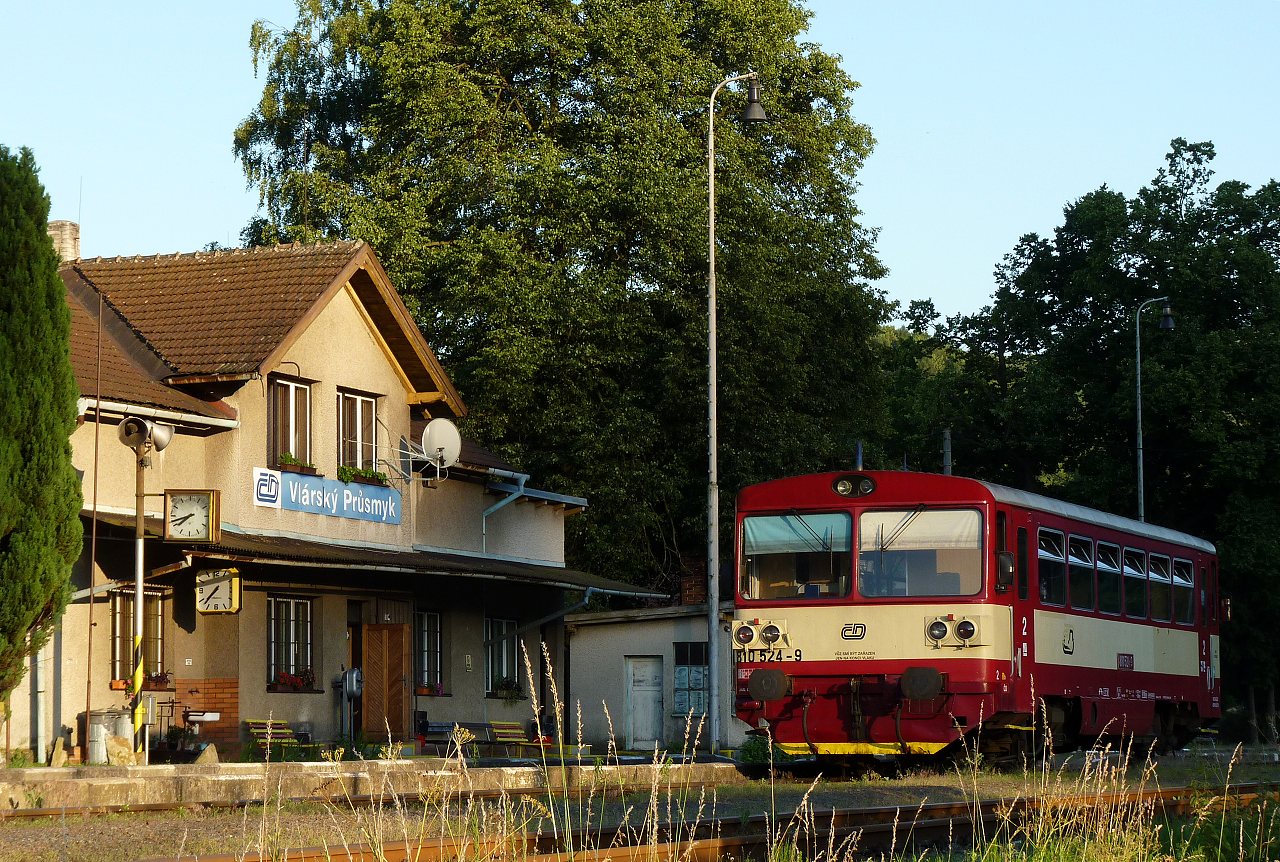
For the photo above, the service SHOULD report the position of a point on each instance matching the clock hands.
(186, 517)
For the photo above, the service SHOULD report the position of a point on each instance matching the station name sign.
(297, 492)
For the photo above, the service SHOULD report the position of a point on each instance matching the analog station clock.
(218, 591)
(192, 515)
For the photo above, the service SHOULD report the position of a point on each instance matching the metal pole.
(713, 477)
(138, 534)
(1137, 337)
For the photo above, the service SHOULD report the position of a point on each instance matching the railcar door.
(1024, 639)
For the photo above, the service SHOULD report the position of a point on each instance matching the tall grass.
(1072, 809)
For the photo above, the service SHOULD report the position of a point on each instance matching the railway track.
(861, 832)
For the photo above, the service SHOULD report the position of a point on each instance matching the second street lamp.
(1166, 322)
(754, 113)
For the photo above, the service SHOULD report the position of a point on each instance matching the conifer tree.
(40, 531)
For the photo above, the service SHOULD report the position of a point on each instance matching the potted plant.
(290, 464)
(303, 680)
(509, 690)
(361, 475)
(431, 689)
(158, 681)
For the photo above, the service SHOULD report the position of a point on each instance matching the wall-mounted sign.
(274, 489)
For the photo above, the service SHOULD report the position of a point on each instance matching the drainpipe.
(38, 710)
(520, 479)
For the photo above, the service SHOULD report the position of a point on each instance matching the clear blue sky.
(989, 116)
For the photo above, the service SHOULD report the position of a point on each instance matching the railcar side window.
(1108, 578)
(1184, 594)
(1135, 583)
(1161, 587)
(920, 552)
(796, 556)
(1080, 572)
(1053, 568)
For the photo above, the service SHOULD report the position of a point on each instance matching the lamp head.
(754, 112)
(1166, 317)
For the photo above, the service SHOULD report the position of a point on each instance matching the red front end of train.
(896, 614)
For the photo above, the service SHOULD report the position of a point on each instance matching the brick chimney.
(66, 238)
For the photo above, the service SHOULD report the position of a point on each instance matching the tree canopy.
(40, 532)
(533, 176)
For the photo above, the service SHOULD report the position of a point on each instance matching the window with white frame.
(122, 603)
(501, 656)
(290, 421)
(357, 430)
(430, 651)
(289, 640)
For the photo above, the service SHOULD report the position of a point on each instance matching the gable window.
(290, 420)
(430, 651)
(289, 639)
(357, 430)
(501, 662)
(122, 634)
(690, 687)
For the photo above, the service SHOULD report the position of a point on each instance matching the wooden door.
(385, 702)
(644, 702)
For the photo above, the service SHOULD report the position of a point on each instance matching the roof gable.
(236, 312)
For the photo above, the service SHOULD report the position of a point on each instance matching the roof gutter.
(177, 416)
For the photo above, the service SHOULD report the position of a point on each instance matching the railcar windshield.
(920, 552)
(796, 556)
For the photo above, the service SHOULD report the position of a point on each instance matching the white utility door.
(644, 702)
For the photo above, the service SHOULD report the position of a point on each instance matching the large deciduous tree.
(533, 176)
(40, 528)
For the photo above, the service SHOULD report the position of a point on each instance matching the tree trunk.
(1252, 714)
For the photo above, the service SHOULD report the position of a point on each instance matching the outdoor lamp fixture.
(1166, 322)
(754, 113)
(142, 437)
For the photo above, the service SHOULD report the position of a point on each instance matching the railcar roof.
(1015, 497)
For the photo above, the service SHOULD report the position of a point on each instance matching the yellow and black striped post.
(139, 739)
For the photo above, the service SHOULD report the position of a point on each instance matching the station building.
(294, 527)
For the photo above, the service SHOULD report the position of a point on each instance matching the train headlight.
(744, 635)
(770, 634)
(965, 629)
(937, 630)
(853, 486)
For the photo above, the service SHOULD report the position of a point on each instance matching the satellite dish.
(441, 443)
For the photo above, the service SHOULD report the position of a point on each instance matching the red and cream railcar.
(894, 613)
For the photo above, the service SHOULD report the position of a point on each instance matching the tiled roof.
(117, 378)
(187, 318)
(220, 312)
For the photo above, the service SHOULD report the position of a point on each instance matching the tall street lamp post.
(1166, 322)
(754, 113)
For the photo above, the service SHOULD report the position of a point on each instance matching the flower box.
(304, 469)
(430, 691)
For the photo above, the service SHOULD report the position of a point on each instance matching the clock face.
(218, 591)
(191, 516)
